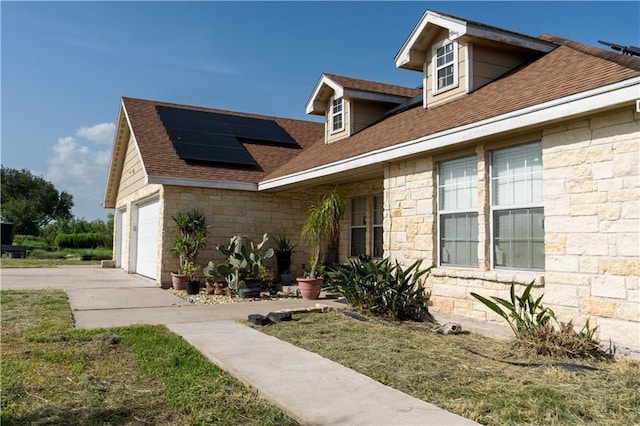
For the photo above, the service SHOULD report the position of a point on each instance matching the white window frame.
(353, 226)
(335, 114)
(435, 68)
(510, 207)
(375, 225)
(447, 212)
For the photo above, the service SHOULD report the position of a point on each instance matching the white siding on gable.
(133, 177)
(489, 64)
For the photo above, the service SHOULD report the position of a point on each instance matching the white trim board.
(202, 183)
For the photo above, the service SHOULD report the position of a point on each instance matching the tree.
(30, 202)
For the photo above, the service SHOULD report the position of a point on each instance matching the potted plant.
(244, 260)
(321, 226)
(284, 250)
(191, 237)
(193, 284)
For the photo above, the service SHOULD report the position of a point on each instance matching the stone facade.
(591, 187)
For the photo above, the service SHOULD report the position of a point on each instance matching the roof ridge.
(620, 59)
(218, 110)
(330, 75)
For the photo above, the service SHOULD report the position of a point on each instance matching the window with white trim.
(358, 226)
(458, 212)
(337, 115)
(517, 207)
(378, 214)
(445, 67)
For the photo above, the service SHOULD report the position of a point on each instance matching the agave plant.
(382, 288)
(523, 313)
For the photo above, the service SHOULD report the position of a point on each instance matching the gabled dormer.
(349, 105)
(458, 56)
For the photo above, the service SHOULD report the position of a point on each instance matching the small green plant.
(522, 312)
(265, 274)
(381, 288)
(284, 245)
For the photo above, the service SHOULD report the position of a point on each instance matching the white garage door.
(147, 240)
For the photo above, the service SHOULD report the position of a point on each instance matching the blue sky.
(65, 65)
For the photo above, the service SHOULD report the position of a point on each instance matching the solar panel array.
(214, 137)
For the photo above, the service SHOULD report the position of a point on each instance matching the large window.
(337, 115)
(358, 226)
(517, 207)
(458, 212)
(367, 214)
(444, 66)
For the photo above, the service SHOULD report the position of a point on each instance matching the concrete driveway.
(111, 297)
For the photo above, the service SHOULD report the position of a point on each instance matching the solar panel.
(214, 137)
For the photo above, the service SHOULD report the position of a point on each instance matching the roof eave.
(317, 104)
(116, 162)
(412, 54)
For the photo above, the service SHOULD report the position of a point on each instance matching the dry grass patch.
(441, 370)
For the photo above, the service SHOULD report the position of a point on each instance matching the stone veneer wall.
(592, 252)
(230, 213)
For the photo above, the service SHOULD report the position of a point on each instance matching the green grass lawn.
(55, 374)
(438, 369)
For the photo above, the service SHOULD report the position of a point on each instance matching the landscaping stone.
(279, 316)
(258, 319)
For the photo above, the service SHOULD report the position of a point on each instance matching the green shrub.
(381, 288)
(86, 240)
(77, 226)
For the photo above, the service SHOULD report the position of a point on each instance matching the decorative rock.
(107, 264)
(279, 316)
(258, 319)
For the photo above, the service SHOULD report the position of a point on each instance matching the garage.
(146, 253)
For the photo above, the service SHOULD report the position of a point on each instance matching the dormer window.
(337, 115)
(445, 66)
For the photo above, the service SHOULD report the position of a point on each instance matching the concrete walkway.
(312, 389)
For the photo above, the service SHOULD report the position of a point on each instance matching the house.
(516, 160)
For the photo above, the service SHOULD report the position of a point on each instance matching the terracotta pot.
(216, 289)
(179, 281)
(310, 287)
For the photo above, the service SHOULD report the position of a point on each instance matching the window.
(517, 207)
(445, 67)
(358, 226)
(378, 210)
(458, 212)
(337, 115)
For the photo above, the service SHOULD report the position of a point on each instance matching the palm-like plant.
(190, 239)
(323, 225)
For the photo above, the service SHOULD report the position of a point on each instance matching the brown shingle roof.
(374, 86)
(565, 71)
(160, 158)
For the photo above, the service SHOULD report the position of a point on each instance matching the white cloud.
(100, 133)
(77, 167)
